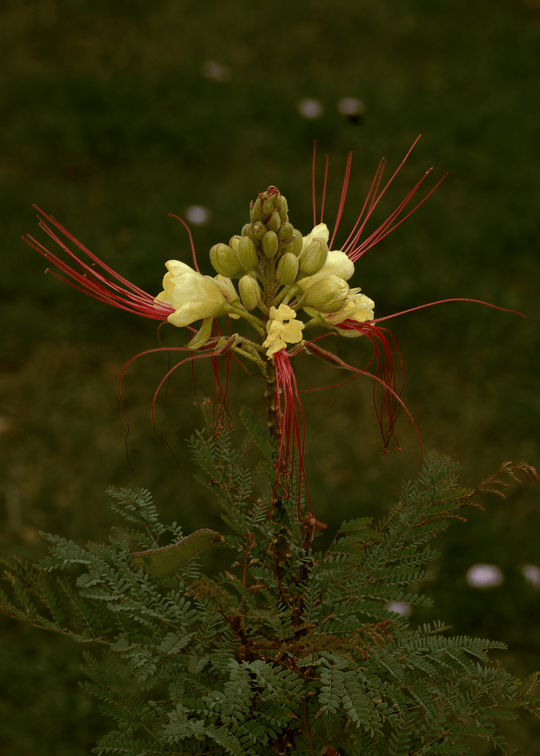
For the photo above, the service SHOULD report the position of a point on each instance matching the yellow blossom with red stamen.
(279, 275)
(193, 296)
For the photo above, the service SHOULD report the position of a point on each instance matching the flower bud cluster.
(279, 271)
(268, 236)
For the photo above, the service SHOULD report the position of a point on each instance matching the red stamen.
(313, 200)
(351, 245)
(324, 186)
(126, 296)
(383, 230)
(343, 196)
(292, 441)
(193, 253)
(442, 301)
(387, 408)
(219, 394)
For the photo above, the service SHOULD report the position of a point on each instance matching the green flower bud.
(224, 260)
(287, 269)
(325, 293)
(233, 242)
(247, 253)
(258, 230)
(283, 206)
(270, 200)
(295, 244)
(226, 287)
(270, 244)
(285, 233)
(256, 210)
(274, 222)
(246, 228)
(250, 292)
(313, 257)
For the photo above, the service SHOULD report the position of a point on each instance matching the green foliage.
(291, 650)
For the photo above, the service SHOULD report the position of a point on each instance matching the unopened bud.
(258, 230)
(270, 244)
(313, 257)
(226, 287)
(283, 206)
(233, 242)
(270, 200)
(287, 269)
(224, 260)
(296, 243)
(285, 233)
(249, 291)
(274, 222)
(247, 253)
(325, 293)
(255, 210)
(246, 228)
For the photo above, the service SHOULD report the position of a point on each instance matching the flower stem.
(272, 400)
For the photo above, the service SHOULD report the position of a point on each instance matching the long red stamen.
(343, 196)
(313, 200)
(219, 395)
(442, 301)
(356, 252)
(126, 296)
(292, 438)
(387, 407)
(369, 203)
(351, 245)
(327, 160)
(193, 254)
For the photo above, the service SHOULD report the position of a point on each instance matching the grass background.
(108, 123)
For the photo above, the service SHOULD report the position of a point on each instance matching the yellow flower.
(193, 296)
(282, 329)
(326, 293)
(357, 307)
(319, 233)
(337, 264)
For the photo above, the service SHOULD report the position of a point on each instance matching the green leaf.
(161, 562)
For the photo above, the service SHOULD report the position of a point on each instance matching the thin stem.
(271, 400)
(306, 722)
(285, 292)
(257, 323)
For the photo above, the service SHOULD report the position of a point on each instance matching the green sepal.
(202, 335)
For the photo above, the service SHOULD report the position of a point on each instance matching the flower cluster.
(278, 272)
(284, 284)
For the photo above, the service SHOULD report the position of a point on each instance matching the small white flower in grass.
(352, 108)
(484, 576)
(216, 71)
(531, 573)
(310, 108)
(198, 215)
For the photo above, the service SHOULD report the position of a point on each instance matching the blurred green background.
(112, 115)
